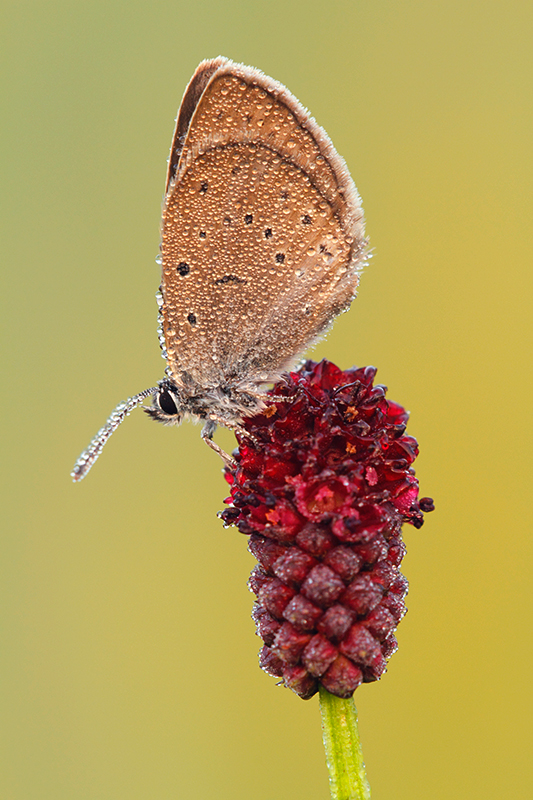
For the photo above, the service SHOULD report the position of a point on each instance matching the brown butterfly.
(262, 245)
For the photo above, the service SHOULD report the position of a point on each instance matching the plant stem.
(344, 757)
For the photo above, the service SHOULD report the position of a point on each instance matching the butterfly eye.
(166, 403)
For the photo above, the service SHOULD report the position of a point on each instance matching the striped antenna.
(89, 456)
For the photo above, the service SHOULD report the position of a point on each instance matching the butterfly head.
(167, 404)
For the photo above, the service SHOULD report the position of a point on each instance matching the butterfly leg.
(211, 425)
(277, 398)
(207, 435)
(244, 432)
(273, 398)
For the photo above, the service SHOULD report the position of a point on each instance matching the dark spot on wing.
(191, 319)
(183, 268)
(280, 258)
(248, 219)
(306, 219)
(203, 187)
(229, 279)
(202, 234)
(268, 233)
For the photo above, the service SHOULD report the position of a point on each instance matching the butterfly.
(262, 245)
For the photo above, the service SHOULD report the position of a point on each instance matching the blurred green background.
(129, 657)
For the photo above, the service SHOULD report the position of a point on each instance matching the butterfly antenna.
(89, 456)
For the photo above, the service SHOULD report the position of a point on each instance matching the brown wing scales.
(262, 233)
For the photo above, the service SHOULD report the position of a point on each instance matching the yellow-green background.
(129, 658)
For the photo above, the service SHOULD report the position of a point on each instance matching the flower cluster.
(322, 490)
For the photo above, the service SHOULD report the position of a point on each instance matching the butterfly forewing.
(189, 101)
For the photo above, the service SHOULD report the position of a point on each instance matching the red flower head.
(322, 492)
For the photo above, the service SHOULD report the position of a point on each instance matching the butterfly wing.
(262, 233)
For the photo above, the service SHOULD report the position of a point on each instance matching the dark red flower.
(322, 491)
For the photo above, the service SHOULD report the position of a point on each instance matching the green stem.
(344, 757)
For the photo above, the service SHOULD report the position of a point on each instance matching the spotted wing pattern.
(262, 233)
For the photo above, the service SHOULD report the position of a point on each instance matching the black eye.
(166, 403)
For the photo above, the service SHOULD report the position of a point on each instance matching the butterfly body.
(223, 403)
